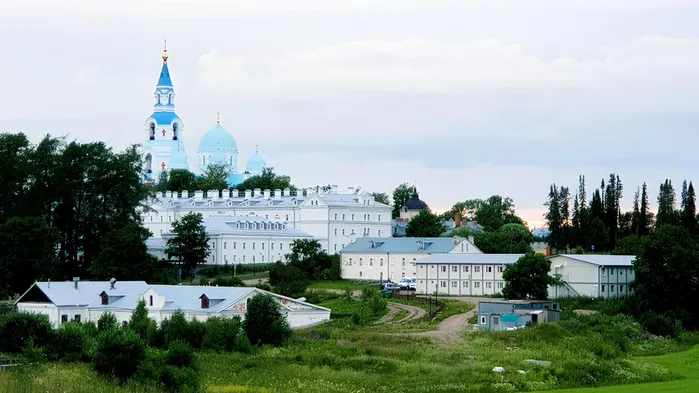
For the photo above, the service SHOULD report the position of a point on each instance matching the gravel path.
(450, 329)
(414, 313)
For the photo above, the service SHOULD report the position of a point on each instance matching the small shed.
(499, 315)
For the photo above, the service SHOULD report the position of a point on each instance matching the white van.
(408, 283)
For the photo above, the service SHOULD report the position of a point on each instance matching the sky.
(464, 98)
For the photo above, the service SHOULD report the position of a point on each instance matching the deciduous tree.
(528, 278)
(425, 224)
(401, 194)
(190, 245)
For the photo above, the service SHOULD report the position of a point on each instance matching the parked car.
(408, 283)
(389, 286)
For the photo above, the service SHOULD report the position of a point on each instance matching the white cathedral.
(245, 226)
(164, 147)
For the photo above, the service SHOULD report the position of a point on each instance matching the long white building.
(334, 218)
(83, 301)
(394, 258)
(240, 240)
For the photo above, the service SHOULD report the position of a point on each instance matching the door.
(495, 323)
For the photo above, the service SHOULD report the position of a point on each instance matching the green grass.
(399, 315)
(251, 276)
(683, 364)
(452, 307)
(337, 285)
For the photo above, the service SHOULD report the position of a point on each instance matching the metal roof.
(224, 224)
(601, 259)
(470, 259)
(397, 245)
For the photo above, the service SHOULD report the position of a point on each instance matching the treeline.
(215, 177)
(599, 224)
(70, 209)
(666, 245)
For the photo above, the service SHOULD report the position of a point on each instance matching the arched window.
(148, 163)
(157, 97)
(169, 99)
(151, 132)
(175, 128)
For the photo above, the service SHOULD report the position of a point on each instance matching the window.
(464, 284)
(64, 318)
(224, 245)
(76, 318)
(360, 261)
(335, 247)
(379, 217)
(335, 231)
(476, 269)
(263, 246)
(234, 244)
(271, 246)
(105, 298)
(465, 269)
(482, 320)
(379, 233)
(381, 262)
(489, 285)
(371, 261)
(611, 272)
(343, 232)
(477, 284)
(214, 258)
(263, 258)
(603, 288)
(403, 262)
(604, 272)
(500, 285)
(253, 259)
(455, 269)
(621, 288)
(444, 269)
(368, 217)
(234, 258)
(501, 269)
(336, 216)
(611, 288)
(287, 218)
(253, 245)
(454, 284)
(350, 261)
(243, 258)
(204, 301)
(150, 300)
(352, 217)
(343, 216)
(281, 246)
(496, 320)
(489, 269)
(443, 284)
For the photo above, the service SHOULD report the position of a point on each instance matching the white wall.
(460, 279)
(248, 250)
(582, 277)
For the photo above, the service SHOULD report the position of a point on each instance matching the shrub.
(118, 353)
(174, 328)
(16, 328)
(179, 354)
(69, 344)
(264, 323)
(139, 321)
(221, 334)
(179, 379)
(661, 325)
(107, 321)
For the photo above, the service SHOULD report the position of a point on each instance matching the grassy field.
(342, 357)
(337, 285)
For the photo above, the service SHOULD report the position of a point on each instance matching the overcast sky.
(465, 98)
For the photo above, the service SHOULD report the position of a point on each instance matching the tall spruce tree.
(689, 209)
(553, 218)
(666, 205)
(644, 215)
(636, 215)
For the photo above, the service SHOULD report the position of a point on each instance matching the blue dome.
(234, 179)
(255, 164)
(217, 139)
(178, 159)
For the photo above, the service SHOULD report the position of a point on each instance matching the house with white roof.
(83, 301)
(371, 258)
(594, 275)
(463, 274)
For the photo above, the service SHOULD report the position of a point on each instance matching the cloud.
(86, 75)
(421, 65)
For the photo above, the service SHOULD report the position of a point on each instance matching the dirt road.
(414, 313)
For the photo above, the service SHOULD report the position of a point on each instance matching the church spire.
(165, 53)
(164, 92)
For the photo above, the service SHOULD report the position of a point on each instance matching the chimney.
(351, 190)
(457, 220)
(198, 195)
(225, 193)
(287, 191)
(277, 193)
(169, 194)
(185, 194)
(112, 282)
(213, 194)
(267, 192)
(353, 237)
(333, 189)
(455, 240)
(234, 193)
(248, 194)
(256, 192)
(75, 282)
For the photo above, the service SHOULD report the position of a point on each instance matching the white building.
(333, 218)
(593, 275)
(394, 258)
(463, 274)
(240, 240)
(88, 300)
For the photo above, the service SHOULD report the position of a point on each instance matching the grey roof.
(602, 259)
(395, 245)
(415, 203)
(223, 224)
(126, 294)
(64, 293)
(470, 259)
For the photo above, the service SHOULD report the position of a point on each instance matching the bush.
(179, 354)
(69, 344)
(174, 328)
(264, 323)
(156, 370)
(107, 321)
(139, 321)
(661, 325)
(179, 379)
(16, 328)
(222, 334)
(118, 353)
